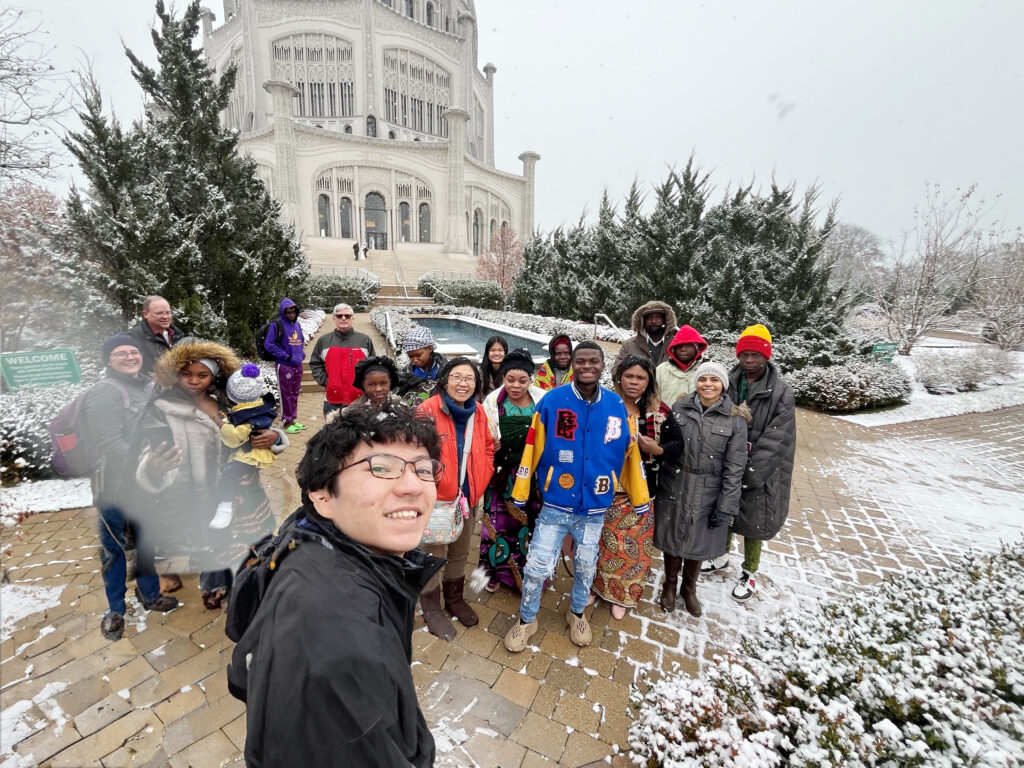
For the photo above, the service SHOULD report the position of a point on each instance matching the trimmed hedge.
(325, 291)
(854, 385)
(485, 294)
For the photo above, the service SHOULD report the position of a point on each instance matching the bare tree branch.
(502, 260)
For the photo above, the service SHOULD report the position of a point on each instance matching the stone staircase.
(396, 296)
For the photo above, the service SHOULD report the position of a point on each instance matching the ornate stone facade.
(371, 120)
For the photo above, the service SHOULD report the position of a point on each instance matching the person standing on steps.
(764, 503)
(355, 251)
(289, 352)
(467, 452)
(333, 360)
(579, 448)
(699, 492)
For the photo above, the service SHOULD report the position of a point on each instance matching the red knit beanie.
(756, 338)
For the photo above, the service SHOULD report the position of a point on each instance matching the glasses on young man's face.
(124, 355)
(388, 467)
(460, 379)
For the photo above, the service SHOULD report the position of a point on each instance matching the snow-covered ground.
(43, 496)
(924, 405)
(20, 600)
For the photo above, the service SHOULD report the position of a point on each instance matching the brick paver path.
(159, 697)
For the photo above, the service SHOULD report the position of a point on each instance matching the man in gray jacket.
(155, 333)
(653, 324)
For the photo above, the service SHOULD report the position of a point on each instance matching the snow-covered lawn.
(924, 405)
(43, 496)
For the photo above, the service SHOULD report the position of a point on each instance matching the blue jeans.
(545, 548)
(115, 567)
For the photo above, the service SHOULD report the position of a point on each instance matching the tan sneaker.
(520, 635)
(579, 629)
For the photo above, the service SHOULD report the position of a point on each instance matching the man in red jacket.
(333, 360)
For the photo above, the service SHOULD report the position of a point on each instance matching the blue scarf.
(460, 416)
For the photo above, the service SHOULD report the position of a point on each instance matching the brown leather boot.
(691, 572)
(438, 624)
(456, 605)
(667, 601)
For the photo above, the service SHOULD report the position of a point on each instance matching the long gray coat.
(764, 504)
(704, 479)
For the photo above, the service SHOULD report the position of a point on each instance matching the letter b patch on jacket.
(613, 431)
(565, 425)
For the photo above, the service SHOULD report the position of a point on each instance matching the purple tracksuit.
(288, 354)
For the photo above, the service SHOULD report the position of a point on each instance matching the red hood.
(687, 335)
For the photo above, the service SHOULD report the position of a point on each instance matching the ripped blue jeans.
(545, 548)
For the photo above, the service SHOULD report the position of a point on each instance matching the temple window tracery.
(416, 92)
(321, 69)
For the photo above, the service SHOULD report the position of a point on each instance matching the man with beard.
(652, 323)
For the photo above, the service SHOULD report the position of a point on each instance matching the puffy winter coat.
(702, 482)
(290, 350)
(481, 451)
(638, 345)
(676, 379)
(764, 505)
(333, 364)
(323, 667)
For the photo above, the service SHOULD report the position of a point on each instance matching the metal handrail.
(438, 290)
(401, 282)
(442, 274)
(389, 332)
(612, 324)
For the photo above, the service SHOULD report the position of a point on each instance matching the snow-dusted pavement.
(867, 502)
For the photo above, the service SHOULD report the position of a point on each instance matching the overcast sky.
(868, 99)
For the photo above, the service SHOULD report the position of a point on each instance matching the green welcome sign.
(884, 352)
(41, 368)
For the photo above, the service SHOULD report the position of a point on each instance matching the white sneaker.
(710, 566)
(745, 588)
(223, 517)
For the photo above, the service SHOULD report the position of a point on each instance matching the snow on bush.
(926, 669)
(945, 373)
(486, 294)
(546, 326)
(25, 416)
(856, 384)
(326, 291)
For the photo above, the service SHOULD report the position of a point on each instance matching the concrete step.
(399, 291)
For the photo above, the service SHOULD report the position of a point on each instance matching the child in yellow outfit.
(254, 411)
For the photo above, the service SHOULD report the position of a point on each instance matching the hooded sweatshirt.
(289, 351)
(675, 378)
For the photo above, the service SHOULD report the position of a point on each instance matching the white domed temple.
(371, 122)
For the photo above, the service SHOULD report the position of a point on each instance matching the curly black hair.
(328, 449)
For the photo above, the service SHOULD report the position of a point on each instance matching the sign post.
(41, 368)
(884, 352)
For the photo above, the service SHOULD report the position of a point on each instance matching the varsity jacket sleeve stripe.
(532, 452)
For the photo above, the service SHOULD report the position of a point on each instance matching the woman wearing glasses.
(111, 410)
(467, 452)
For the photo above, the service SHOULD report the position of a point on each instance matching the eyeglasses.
(343, 315)
(123, 355)
(388, 467)
(460, 379)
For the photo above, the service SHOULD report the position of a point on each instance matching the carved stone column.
(455, 234)
(526, 226)
(286, 176)
(489, 70)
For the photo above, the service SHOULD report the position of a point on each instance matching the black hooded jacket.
(324, 665)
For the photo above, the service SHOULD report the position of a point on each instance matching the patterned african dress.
(506, 530)
(627, 540)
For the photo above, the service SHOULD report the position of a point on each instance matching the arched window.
(409, 8)
(417, 92)
(345, 217)
(504, 224)
(391, 135)
(321, 68)
(348, 129)
(424, 222)
(494, 231)
(476, 231)
(404, 223)
(323, 215)
(376, 222)
(430, 14)
(371, 126)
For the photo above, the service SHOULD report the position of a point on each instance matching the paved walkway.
(158, 696)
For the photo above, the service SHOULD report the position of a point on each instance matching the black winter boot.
(667, 601)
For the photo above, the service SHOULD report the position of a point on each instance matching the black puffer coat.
(764, 504)
(702, 484)
(324, 665)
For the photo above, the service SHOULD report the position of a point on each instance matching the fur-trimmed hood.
(654, 306)
(165, 374)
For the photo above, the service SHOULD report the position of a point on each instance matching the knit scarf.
(460, 416)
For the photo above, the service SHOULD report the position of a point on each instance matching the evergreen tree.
(173, 208)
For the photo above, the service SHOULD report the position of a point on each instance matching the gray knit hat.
(711, 368)
(246, 385)
(418, 338)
